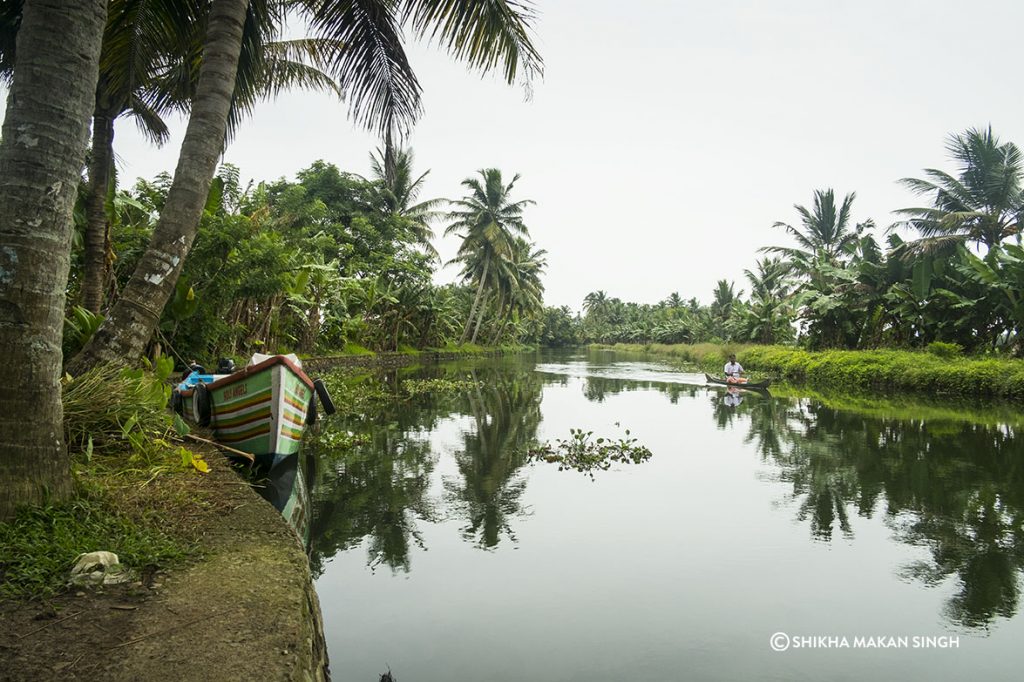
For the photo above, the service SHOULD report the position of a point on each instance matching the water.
(444, 555)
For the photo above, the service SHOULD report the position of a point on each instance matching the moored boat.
(750, 385)
(261, 409)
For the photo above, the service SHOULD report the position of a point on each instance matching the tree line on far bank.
(960, 282)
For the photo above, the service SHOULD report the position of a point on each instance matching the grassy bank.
(940, 372)
(138, 490)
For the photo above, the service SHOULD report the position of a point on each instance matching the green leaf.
(922, 278)
(180, 427)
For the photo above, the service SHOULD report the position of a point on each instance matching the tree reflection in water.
(953, 486)
(506, 413)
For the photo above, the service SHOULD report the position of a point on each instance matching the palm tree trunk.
(479, 320)
(476, 302)
(95, 271)
(130, 324)
(43, 146)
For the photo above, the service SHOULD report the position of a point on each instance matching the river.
(780, 537)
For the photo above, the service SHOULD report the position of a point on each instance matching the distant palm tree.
(399, 191)
(984, 204)
(769, 314)
(674, 300)
(825, 233)
(488, 222)
(595, 301)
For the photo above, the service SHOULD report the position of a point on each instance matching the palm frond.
(482, 33)
(373, 69)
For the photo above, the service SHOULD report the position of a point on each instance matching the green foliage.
(892, 370)
(415, 387)
(40, 545)
(945, 350)
(581, 452)
(110, 408)
(79, 326)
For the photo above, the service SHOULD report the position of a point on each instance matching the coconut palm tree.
(382, 93)
(149, 68)
(520, 289)
(399, 192)
(45, 130)
(825, 234)
(983, 203)
(488, 222)
(769, 315)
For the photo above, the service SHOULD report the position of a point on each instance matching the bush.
(945, 350)
(109, 407)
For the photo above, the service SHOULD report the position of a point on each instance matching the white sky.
(668, 136)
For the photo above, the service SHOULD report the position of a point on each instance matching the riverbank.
(240, 605)
(319, 363)
(938, 373)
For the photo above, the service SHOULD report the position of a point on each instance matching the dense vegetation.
(961, 282)
(329, 262)
(70, 65)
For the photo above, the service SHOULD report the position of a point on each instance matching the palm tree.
(488, 221)
(595, 301)
(382, 93)
(769, 314)
(520, 290)
(983, 204)
(398, 192)
(149, 68)
(825, 235)
(41, 153)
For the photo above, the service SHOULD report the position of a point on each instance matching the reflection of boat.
(750, 385)
(261, 409)
(286, 487)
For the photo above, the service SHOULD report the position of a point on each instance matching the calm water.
(445, 556)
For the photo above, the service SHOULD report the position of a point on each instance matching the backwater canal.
(837, 529)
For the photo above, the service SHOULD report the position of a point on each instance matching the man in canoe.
(734, 371)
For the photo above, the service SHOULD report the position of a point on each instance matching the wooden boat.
(750, 385)
(261, 409)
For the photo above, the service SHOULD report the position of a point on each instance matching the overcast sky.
(667, 136)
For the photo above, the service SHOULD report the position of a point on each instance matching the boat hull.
(260, 409)
(751, 386)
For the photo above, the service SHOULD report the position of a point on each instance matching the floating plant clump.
(584, 453)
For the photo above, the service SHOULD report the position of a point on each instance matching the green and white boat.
(261, 409)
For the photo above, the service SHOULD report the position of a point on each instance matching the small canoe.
(750, 385)
(262, 409)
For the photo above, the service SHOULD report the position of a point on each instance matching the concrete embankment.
(247, 611)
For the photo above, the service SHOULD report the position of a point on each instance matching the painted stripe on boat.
(241, 428)
(241, 404)
(243, 419)
(262, 430)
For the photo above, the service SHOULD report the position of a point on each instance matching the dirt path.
(245, 611)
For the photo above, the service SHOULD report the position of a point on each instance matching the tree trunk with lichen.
(132, 320)
(44, 141)
(94, 277)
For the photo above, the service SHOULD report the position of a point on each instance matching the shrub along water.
(940, 370)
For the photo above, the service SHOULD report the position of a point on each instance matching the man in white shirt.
(734, 371)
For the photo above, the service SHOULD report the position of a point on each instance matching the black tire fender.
(177, 404)
(202, 405)
(311, 410)
(325, 397)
